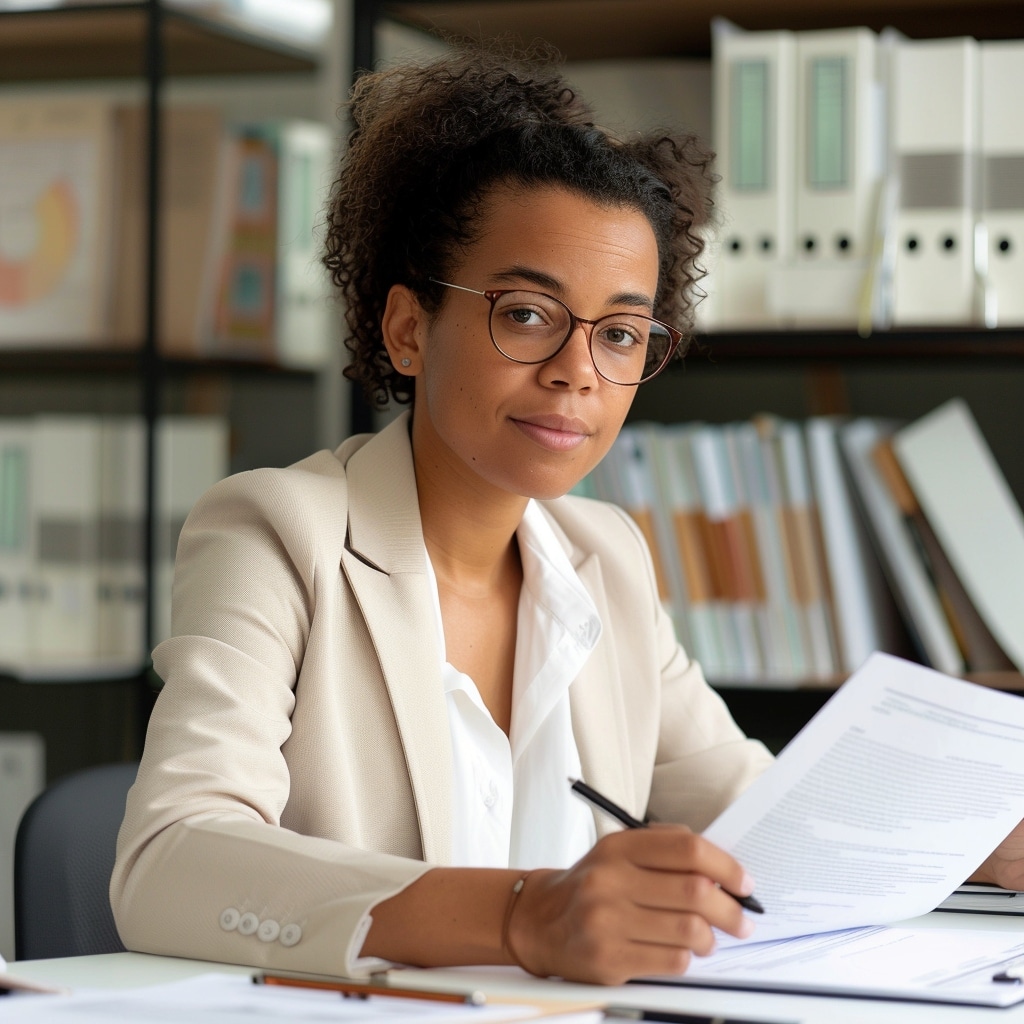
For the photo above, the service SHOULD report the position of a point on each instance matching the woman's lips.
(556, 433)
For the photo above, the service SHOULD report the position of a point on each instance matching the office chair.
(63, 858)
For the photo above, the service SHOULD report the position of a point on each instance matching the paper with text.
(930, 964)
(891, 796)
(215, 998)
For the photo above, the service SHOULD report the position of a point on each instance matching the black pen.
(627, 819)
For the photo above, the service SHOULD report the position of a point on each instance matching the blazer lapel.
(595, 700)
(383, 561)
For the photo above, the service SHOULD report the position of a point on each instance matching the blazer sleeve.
(703, 759)
(205, 868)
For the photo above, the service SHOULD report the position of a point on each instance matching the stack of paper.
(891, 796)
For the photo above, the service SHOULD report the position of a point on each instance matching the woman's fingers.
(678, 870)
(675, 848)
(639, 903)
(696, 895)
(685, 889)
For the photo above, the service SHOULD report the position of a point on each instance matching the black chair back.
(63, 858)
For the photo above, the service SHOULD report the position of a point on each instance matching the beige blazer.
(297, 768)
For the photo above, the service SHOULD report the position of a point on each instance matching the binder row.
(72, 529)
(786, 552)
(867, 180)
(238, 257)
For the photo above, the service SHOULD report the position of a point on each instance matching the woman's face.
(531, 430)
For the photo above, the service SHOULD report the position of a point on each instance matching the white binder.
(304, 313)
(935, 133)
(65, 462)
(122, 549)
(192, 455)
(15, 541)
(1002, 176)
(752, 118)
(838, 172)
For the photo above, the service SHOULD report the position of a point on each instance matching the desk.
(115, 970)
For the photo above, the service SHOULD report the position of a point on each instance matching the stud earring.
(407, 361)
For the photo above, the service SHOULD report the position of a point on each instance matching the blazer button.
(290, 935)
(229, 918)
(268, 930)
(247, 924)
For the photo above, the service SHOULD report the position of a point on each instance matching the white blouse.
(512, 804)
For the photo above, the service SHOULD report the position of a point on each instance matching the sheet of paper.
(214, 998)
(12, 983)
(984, 899)
(931, 964)
(884, 803)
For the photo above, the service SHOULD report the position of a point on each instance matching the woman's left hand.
(1005, 865)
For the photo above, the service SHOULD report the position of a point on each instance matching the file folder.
(652, 440)
(706, 614)
(973, 512)
(1002, 175)
(866, 617)
(838, 174)
(801, 518)
(752, 119)
(935, 136)
(776, 618)
(728, 547)
(908, 576)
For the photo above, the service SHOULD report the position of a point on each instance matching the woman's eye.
(619, 336)
(525, 317)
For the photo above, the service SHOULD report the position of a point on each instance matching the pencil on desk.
(363, 990)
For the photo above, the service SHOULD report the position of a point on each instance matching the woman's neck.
(468, 525)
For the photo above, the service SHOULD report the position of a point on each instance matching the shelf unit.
(112, 40)
(595, 29)
(733, 374)
(146, 42)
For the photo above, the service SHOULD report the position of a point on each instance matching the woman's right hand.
(640, 903)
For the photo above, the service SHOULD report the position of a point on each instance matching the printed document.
(215, 998)
(892, 795)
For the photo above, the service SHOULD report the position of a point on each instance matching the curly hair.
(428, 144)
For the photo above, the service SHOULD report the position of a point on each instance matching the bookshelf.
(595, 29)
(734, 374)
(108, 40)
(147, 49)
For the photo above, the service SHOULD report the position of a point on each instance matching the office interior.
(649, 61)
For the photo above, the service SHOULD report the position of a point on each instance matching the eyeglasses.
(532, 327)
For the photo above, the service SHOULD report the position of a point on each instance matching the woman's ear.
(404, 328)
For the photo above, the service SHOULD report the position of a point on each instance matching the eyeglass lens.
(530, 327)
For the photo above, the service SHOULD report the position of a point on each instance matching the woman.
(388, 661)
